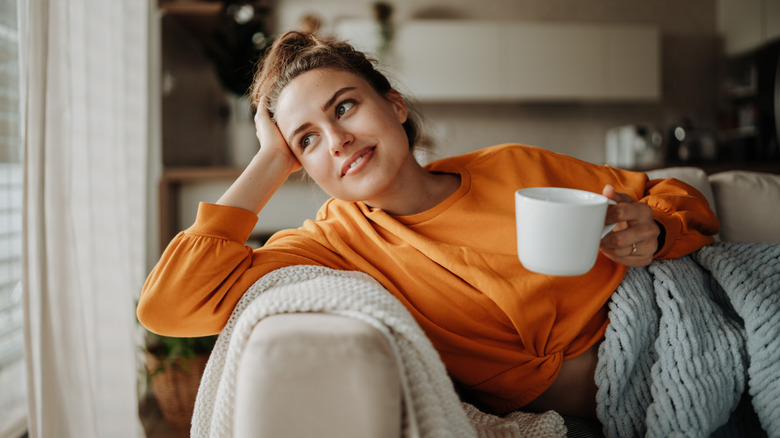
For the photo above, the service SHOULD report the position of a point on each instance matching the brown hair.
(296, 52)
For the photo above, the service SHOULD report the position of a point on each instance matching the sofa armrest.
(314, 374)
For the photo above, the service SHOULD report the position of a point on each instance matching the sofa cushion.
(748, 204)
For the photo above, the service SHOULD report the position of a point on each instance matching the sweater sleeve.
(206, 269)
(683, 212)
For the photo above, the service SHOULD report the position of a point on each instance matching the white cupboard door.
(772, 19)
(633, 63)
(450, 61)
(462, 61)
(549, 61)
(739, 21)
(361, 33)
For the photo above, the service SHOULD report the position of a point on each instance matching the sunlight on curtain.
(13, 400)
(85, 188)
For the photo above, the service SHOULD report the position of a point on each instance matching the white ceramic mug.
(559, 230)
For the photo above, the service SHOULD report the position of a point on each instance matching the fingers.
(635, 240)
(626, 209)
(636, 254)
(610, 193)
(265, 125)
(271, 138)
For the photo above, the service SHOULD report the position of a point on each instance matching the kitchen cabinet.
(447, 61)
(772, 20)
(440, 61)
(633, 63)
(555, 61)
(583, 62)
(749, 111)
(747, 24)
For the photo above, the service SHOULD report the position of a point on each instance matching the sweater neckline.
(417, 218)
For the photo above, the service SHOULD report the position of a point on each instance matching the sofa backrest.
(748, 205)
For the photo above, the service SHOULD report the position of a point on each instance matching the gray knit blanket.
(686, 338)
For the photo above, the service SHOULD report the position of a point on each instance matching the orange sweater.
(501, 330)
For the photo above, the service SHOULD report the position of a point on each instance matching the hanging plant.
(239, 42)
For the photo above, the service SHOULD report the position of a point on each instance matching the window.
(13, 403)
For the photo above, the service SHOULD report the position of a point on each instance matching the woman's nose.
(339, 139)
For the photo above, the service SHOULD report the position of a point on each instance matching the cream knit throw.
(432, 408)
(685, 338)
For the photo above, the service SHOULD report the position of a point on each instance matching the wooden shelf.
(173, 179)
(179, 174)
(191, 7)
(170, 183)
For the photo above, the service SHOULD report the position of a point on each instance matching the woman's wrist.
(274, 160)
(259, 181)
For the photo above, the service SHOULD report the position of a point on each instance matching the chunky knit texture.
(431, 406)
(685, 338)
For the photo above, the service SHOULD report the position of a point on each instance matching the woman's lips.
(357, 161)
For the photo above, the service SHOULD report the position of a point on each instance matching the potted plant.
(175, 367)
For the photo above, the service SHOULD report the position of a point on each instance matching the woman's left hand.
(634, 240)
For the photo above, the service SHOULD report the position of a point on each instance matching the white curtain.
(86, 102)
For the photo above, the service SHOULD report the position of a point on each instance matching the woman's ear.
(399, 106)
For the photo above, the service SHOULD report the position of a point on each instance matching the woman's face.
(349, 138)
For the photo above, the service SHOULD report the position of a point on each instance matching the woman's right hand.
(271, 139)
(267, 171)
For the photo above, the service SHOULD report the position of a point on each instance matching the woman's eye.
(344, 107)
(306, 141)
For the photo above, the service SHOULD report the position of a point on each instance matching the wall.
(690, 56)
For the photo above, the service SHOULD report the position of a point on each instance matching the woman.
(439, 237)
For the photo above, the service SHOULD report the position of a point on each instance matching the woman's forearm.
(258, 182)
(200, 275)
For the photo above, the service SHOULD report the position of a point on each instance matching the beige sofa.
(322, 375)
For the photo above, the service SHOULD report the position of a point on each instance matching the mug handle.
(608, 228)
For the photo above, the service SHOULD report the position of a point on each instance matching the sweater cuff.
(223, 222)
(670, 229)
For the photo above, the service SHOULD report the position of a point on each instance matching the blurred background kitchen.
(117, 118)
(633, 84)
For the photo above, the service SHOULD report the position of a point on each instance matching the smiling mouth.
(356, 159)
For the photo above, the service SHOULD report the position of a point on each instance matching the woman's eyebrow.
(335, 97)
(303, 127)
